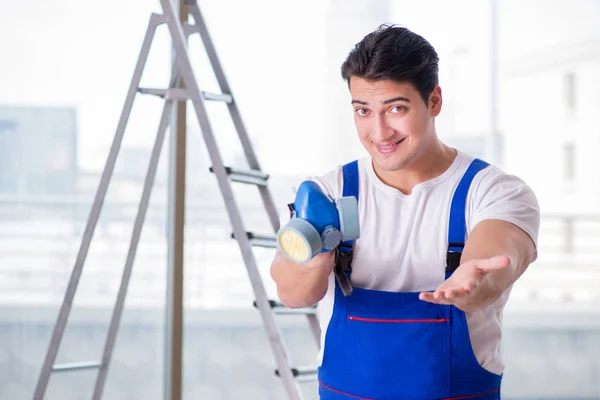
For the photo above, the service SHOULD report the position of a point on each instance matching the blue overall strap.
(350, 183)
(457, 229)
(350, 188)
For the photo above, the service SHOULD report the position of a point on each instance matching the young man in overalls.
(443, 237)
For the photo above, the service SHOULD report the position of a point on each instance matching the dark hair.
(397, 54)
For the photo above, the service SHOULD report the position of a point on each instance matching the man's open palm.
(466, 287)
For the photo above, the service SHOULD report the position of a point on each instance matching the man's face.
(394, 124)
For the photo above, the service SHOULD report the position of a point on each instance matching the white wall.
(537, 123)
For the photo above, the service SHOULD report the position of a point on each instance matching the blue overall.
(391, 345)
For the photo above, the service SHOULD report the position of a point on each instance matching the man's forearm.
(500, 238)
(497, 282)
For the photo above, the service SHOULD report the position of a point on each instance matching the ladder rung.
(303, 374)
(152, 91)
(76, 366)
(227, 98)
(260, 240)
(307, 378)
(177, 94)
(246, 176)
(180, 94)
(279, 308)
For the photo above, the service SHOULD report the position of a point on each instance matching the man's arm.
(302, 285)
(495, 237)
(495, 255)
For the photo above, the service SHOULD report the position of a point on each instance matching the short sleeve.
(498, 195)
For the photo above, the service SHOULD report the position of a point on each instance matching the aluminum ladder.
(182, 70)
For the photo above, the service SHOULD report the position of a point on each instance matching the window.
(569, 161)
(9, 159)
(570, 92)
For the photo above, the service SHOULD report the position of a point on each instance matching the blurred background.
(521, 85)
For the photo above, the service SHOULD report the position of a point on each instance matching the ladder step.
(153, 92)
(303, 374)
(76, 366)
(280, 309)
(251, 176)
(181, 94)
(178, 94)
(226, 98)
(258, 240)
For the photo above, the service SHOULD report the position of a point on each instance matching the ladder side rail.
(187, 74)
(236, 116)
(63, 315)
(135, 238)
(315, 327)
(265, 192)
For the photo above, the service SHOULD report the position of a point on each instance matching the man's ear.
(435, 101)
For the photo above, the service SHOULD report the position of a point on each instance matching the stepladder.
(182, 72)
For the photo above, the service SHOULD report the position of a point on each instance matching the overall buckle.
(453, 257)
(343, 266)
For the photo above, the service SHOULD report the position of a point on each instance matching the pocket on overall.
(400, 350)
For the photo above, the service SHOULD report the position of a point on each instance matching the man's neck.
(429, 165)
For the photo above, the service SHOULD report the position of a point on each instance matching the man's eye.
(362, 112)
(398, 109)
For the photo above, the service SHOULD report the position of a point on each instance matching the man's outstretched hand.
(470, 287)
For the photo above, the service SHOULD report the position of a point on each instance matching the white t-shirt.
(404, 238)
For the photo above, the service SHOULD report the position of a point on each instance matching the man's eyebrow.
(399, 98)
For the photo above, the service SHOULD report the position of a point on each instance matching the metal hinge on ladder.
(182, 70)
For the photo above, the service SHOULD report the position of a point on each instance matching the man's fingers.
(431, 298)
(426, 296)
(446, 296)
(469, 286)
(456, 293)
(451, 290)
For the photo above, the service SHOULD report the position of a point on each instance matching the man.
(443, 237)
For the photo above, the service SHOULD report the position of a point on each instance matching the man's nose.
(382, 129)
